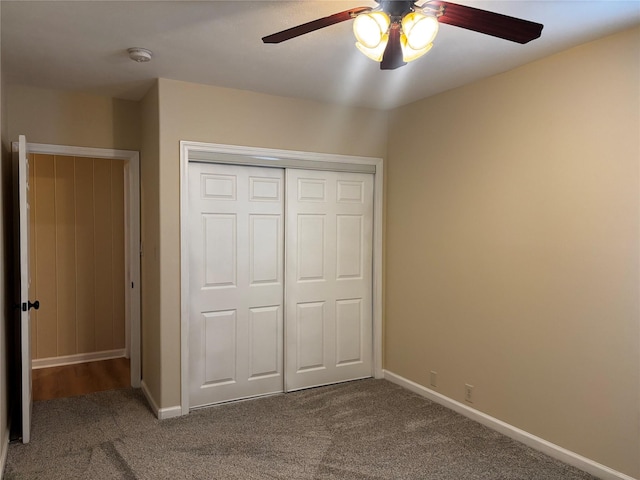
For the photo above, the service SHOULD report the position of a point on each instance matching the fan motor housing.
(396, 8)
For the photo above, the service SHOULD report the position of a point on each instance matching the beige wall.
(150, 236)
(5, 257)
(69, 118)
(77, 255)
(512, 247)
(219, 115)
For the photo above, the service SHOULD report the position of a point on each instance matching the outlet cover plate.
(468, 393)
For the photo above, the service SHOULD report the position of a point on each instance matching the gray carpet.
(369, 429)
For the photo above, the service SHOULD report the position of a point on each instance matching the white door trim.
(211, 152)
(132, 234)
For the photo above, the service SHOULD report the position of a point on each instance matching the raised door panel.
(349, 331)
(263, 189)
(350, 191)
(219, 242)
(219, 347)
(311, 247)
(218, 187)
(265, 342)
(349, 247)
(265, 256)
(311, 190)
(310, 323)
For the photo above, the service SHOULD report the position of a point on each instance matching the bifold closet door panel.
(236, 228)
(328, 278)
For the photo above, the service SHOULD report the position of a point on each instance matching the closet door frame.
(252, 156)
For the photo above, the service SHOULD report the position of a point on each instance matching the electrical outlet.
(434, 379)
(468, 393)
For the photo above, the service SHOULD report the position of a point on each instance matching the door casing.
(132, 236)
(252, 156)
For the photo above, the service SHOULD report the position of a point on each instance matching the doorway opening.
(84, 269)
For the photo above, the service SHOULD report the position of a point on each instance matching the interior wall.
(77, 255)
(5, 271)
(150, 237)
(513, 247)
(69, 118)
(221, 115)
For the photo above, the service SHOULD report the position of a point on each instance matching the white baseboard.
(551, 449)
(77, 358)
(4, 449)
(169, 412)
(160, 413)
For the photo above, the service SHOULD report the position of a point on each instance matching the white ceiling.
(81, 46)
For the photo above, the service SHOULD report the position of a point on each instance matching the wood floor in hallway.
(80, 379)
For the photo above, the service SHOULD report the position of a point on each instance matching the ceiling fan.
(398, 31)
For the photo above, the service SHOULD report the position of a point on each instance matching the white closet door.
(236, 282)
(328, 278)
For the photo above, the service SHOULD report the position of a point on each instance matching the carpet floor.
(367, 429)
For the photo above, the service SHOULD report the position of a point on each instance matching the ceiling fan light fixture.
(399, 31)
(419, 29)
(376, 52)
(409, 54)
(370, 28)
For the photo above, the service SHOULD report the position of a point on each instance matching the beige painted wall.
(5, 311)
(69, 118)
(150, 236)
(513, 247)
(220, 115)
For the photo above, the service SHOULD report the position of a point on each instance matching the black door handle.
(28, 305)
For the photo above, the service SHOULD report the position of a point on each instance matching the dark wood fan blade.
(392, 57)
(489, 23)
(314, 25)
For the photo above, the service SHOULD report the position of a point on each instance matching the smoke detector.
(140, 55)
